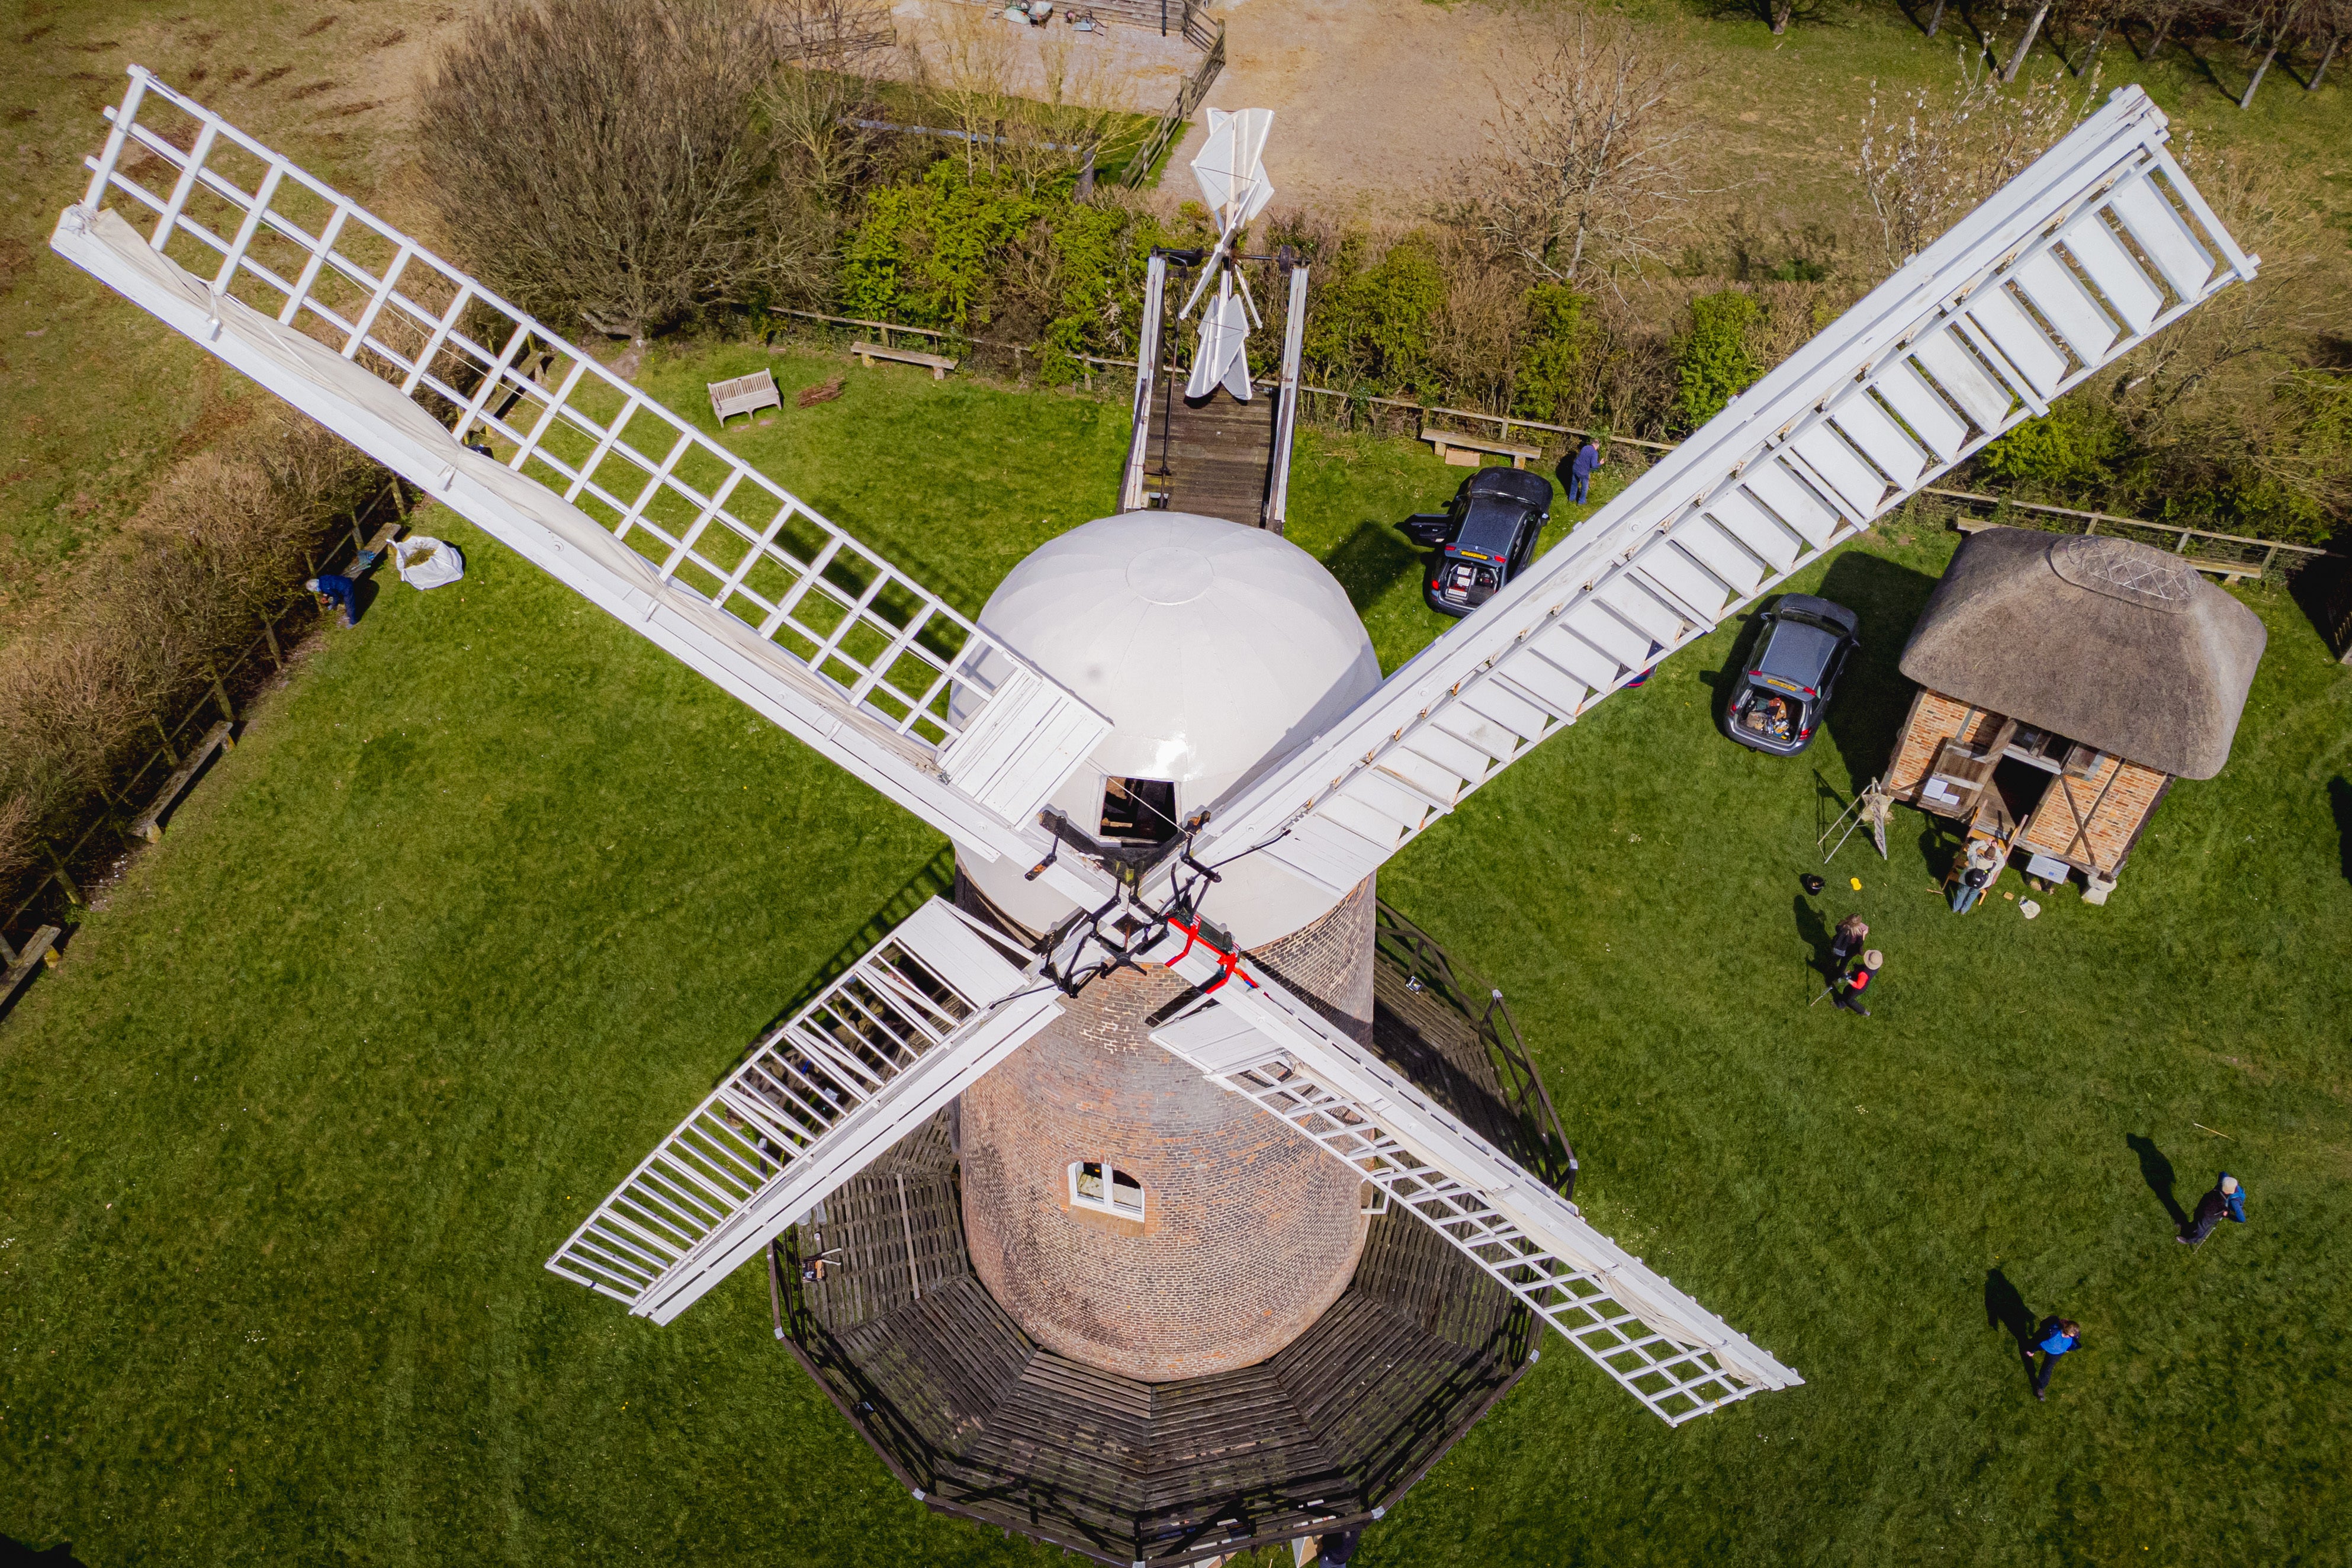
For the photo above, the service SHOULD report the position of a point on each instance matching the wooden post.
(220, 693)
(2025, 44)
(269, 634)
(158, 722)
(1937, 20)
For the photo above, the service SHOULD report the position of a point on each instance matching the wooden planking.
(1218, 457)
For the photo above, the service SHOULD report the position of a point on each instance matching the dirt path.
(1375, 102)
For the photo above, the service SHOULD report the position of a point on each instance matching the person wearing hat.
(2228, 1197)
(2058, 1335)
(1854, 982)
(341, 592)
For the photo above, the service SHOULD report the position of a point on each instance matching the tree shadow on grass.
(1871, 699)
(15, 1553)
(2156, 1172)
(2005, 1309)
(1372, 560)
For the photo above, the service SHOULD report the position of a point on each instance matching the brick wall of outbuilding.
(1250, 1230)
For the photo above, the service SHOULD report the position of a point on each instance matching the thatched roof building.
(2099, 666)
(2117, 644)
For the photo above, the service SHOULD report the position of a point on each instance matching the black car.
(1484, 540)
(1801, 647)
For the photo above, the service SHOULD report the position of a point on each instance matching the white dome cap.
(1211, 649)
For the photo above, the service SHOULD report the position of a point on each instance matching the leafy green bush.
(1373, 321)
(927, 253)
(1552, 356)
(1714, 360)
(2074, 448)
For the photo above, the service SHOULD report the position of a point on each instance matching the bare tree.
(1584, 167)
(2326, 23)
(972, 66)
(599, 161)
(836, 49)
(1929, 156)
(2274, 23)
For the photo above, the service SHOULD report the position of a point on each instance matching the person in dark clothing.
(2054, 1339)
(1580, 473)
(2228, 1199)
(342, 592)
(1337, 1549)
(1847, 941)
(1854, 982)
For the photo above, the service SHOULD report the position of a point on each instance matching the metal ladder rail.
(1962, 374)
(432, 324)
(1147, 378)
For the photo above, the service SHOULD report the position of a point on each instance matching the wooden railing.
(1188, 99)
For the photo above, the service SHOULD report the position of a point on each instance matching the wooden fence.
(1188, 99)
(2233, 554)
(112, 828)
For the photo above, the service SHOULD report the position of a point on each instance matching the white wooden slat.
(1514, 713)
(2014, 334)
(1794, 501)
(1714, 547)
(1416, 771)
(1377, 790)
(2077, 316)
(1860, 486)
(1588, 664)
(1658, 623)
(1324, 851)
(1447, 754)
(1348, 810)
(1472, 728)
(1593, 623)
(1881, 439)
(2186, 264)
(1683, 580)
(1945, 356)
(2113, 271)
(1755, 526)
(1920, 406)
(1540, 681)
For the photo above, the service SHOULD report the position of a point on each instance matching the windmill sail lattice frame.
(655, 521)
(2098, 245)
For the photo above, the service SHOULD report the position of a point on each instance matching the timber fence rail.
(2232, 553)
(223, 694)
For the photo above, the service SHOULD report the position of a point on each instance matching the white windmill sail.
(362, 329)
(2101, 242)
(1222, 357)
(912, 1025)
(1261, 1042)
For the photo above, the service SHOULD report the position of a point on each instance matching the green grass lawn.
(493, 891)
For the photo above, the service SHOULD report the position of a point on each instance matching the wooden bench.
(744, 395)
(373, 551)
(1471, 447)
(42, 949)
(149, 823)
(868, 353)
(2228, 571)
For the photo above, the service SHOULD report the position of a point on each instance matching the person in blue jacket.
(2056, 1337)
(338, 591)
(1580, 473)
(2228, 1197)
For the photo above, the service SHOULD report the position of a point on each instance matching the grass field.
(493, 891)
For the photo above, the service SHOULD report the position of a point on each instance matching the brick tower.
(1122, 1210)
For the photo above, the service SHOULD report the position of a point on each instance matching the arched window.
(1099, 1185)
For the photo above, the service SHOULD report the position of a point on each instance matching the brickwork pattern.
(2111, 804)
(1250, 1231)
(1935, 719)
